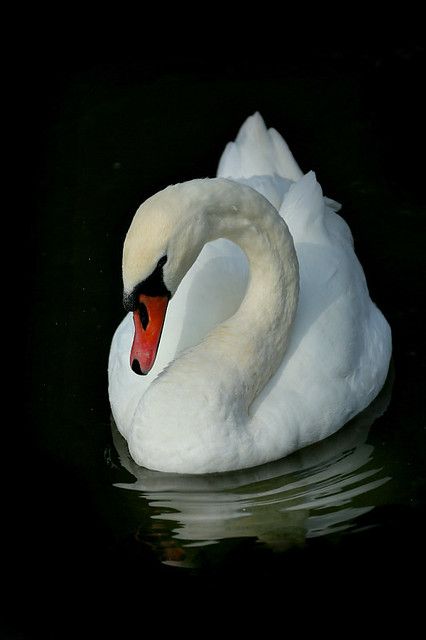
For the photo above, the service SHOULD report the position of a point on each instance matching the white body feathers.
(254, 362)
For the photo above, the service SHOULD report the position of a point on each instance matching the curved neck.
(248, 347)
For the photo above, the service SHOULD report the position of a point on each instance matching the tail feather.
(258, 151)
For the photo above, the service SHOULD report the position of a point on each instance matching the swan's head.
(163, 241)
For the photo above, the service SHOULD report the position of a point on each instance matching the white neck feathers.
(248, 347)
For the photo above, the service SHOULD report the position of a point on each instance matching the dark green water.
(89, 525)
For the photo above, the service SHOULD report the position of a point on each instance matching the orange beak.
(149, 320)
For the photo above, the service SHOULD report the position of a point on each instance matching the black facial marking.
(151, 286)
(162, 261)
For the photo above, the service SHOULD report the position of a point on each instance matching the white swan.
(267, 346)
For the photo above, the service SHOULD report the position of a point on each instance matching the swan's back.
(338, 330)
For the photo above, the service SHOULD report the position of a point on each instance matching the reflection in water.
(319, 490)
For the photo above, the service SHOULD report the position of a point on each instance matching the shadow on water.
(321, 490)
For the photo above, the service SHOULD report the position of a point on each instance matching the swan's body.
(259, 355)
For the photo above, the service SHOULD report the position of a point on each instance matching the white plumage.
(248, 370)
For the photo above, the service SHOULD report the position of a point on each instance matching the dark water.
(90, 531)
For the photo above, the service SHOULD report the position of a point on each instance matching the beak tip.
(136, 367)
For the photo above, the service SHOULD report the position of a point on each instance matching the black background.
(94, 136)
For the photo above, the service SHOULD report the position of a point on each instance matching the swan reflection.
(319, 490)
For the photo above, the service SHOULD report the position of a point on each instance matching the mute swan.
(270, 342)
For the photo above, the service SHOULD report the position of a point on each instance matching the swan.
(249, 332)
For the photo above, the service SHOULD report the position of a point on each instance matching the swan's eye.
(143, 315)
(162, 261)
